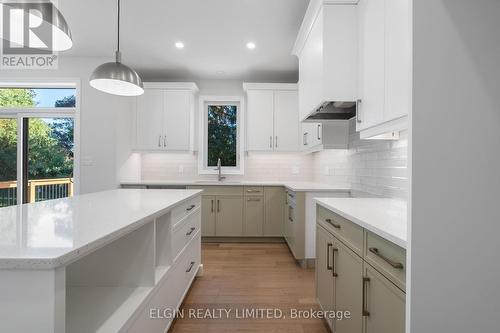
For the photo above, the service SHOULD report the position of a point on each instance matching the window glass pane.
(37, 98)
(8, 162)
(222, 134)
(50, 158)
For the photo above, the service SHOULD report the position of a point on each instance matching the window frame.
(32, 112)
(204, 101)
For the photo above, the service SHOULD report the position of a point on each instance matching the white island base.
(107, 280)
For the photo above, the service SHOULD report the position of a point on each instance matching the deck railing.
(38, 190)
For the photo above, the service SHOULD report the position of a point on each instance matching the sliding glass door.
(37, 144)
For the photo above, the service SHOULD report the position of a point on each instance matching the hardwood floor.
(240, 276)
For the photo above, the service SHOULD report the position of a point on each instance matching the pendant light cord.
(118, 25)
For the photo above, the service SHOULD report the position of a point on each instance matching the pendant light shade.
(116, 78)
(49, 14)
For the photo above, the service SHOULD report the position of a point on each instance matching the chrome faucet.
(219, 168)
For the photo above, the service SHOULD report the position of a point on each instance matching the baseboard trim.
(242, 240)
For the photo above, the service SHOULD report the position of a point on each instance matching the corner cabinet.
(272, 117)
(165, 117)
(359, 272)
(384, 76)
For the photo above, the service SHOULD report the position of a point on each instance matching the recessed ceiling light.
(179, 45)
(250, 45)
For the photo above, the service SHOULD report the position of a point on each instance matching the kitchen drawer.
(218, 189)
(386, 257)
(184, 209)
(254, 190)
(348, 232)
(184, 232)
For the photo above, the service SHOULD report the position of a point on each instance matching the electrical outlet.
(295, 170)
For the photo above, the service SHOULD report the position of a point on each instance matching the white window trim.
(46, 112)
(202, 113)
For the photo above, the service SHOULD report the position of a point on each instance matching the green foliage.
(222, 134)
(17, 97)
(50, 141)
(66, 102)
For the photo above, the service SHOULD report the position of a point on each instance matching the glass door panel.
(50, 155)
(8, 162)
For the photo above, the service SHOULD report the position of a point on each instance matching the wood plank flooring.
(240, 276)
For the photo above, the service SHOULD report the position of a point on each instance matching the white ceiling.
(215, 33)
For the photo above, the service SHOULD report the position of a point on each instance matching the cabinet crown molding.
(172, 85)
(269, 86)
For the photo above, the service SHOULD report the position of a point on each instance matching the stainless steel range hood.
(333, 111)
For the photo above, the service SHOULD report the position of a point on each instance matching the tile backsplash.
(375, 166)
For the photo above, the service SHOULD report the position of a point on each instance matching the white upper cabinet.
(272, 117)
(164, 117)
(328, 135)
(286, 121)
(260, 109)
(149, 119)
(384, 66)
(327, 50)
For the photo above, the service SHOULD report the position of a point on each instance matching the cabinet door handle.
(271, 141)
(165, 141)
(218, 206)
(334, 273)
(318, 130)
(365, 312)
(190, 207)
(335, 225)
(396, 265)
(276, 143)
(159, 141)
(212, 206)
(190, 267)
(190, 231)
(328, 267)
(358, 109)
(304, 140)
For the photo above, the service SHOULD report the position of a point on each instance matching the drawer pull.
(190, 267)
(334, 250)
(363, 306)
(253, 191)
(396, 265)
(328, 267)
(253, 199)
(190, 231)
(335, 225)
(190, 207)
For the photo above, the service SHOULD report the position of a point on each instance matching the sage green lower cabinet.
(368, 281)
(385, 304)
(324, 272)
(274, 210)
(229, 220)
(348, 267)
(208, 215)
(254, 216)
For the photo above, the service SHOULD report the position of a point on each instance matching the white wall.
(455, 182)
(105, 124)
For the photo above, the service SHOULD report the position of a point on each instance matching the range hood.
(333, 111)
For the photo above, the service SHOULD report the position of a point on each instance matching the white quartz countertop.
(53, 233)
(384, 217)
(298, 186)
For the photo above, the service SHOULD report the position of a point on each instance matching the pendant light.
(38, 12)
(114, 77)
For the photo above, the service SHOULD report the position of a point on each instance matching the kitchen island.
(98, 262)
